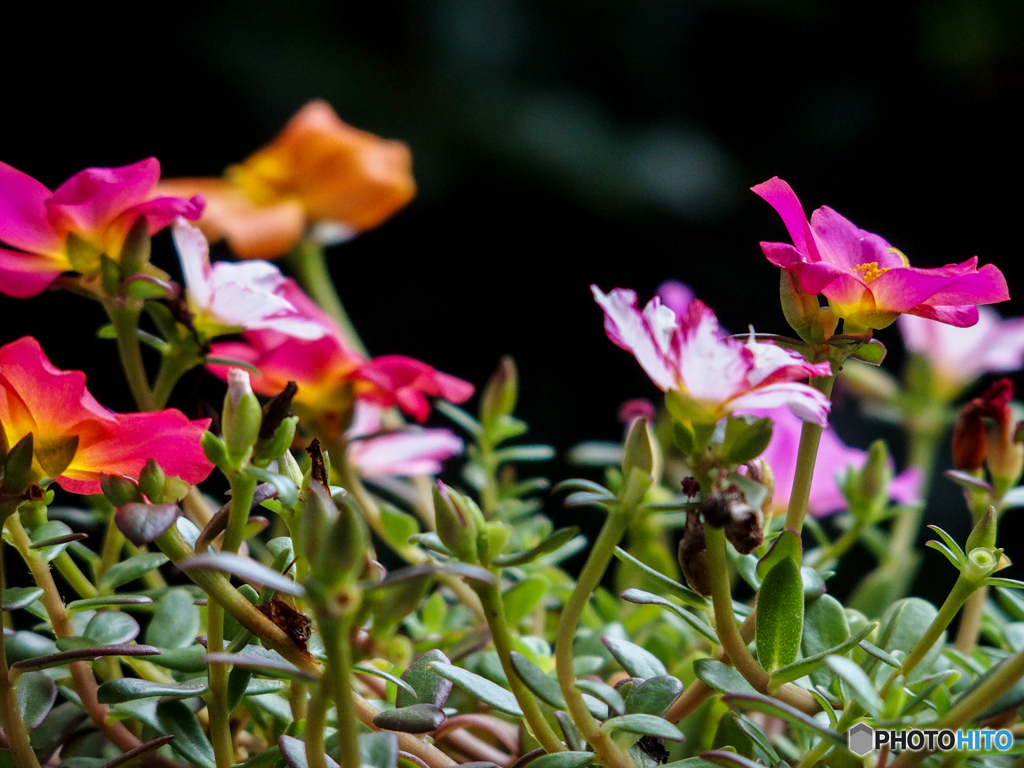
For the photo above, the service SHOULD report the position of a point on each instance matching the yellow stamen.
(870, 271)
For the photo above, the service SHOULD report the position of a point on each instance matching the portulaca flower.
(713, 374)
(229, 297)
(959, 356)
(411, 451)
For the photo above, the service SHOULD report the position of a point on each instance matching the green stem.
(962, 589)
(494, 610)
(807, 454)
(10, 715)
(1002, 679)
(316, 719)
(73, 576)
(590, 577)
(172, 367)
(818, 751)
(924, 448)
(124, 315)
(110, 553)
(970, 621)
(840, 546)
(243, 487)
(219, 588)
(338, 672)
(308, 262)
(217, 698)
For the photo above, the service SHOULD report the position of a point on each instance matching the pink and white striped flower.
(712, 374)
(229, 297)
(410, 451)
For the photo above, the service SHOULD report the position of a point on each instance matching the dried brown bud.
(745, 527)
(693, 556)
(970, 438)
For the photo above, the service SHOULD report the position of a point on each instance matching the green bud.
(135, 251)
(637, 453)
(241, 417)
(984, 533)
(456, 525)
(876, 476)
(175, 489)
(492, 540)
(111, 274)
(334, 538)
(119, 490)
(18, 473)
(215, 450)
(151, 481)
(981, 563)
(500, 393)
(289, 467)
(800, 309)
(268, 449)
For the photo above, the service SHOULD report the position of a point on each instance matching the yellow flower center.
(870, 271)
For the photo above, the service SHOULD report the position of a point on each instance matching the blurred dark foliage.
(556, 144)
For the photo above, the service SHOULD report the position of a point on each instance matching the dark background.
(556, 144)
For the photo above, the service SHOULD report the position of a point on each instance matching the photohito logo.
(862, 739)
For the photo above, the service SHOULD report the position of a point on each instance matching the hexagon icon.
(861, 739)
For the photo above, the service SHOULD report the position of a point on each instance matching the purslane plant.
(344, 606)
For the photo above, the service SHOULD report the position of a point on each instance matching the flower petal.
(842, 243)
(23, 221)
(805, 401)
(89, 201)
(404, 454)
(403, 381)
(646, 336)
(194, 253)
(780, 196)
(25, 274)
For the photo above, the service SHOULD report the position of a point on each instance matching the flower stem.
(962, 589)
(924, 447)
(308, 262)
(124, 315)
(970, 621)
(590, 577)
(172, 367)
(217, 698)
(73, 576)
(316, 719)
(10, 715)
(243, 487)
(490, 597)
(338, 676)
(807, 454)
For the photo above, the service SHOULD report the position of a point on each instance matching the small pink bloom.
(329, 374)
(715, 373)
(55, 407)
(834, 458)
(233, 297)
(958, 356)
(867, 281)
(676, 296)
(411, 451)
(98, 205)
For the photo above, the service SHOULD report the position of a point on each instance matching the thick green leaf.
(745, 439)
(489, 693)
(56, 729)
(522, 598)
(699, 625)
(378, 750)
(36, 696)
(398, 526)
(176, 622)
(416, 718)
(84, 654)
(558, 539)
(796, 718)
(367, 669)
(20, 597)
(726, 759)
(685, 594)
(872, 352)
(639, 662)
(780, 615)
(901, 627)
(787, 546)
(287, 492)
(110, 628)
(542, 686)
(721, 677)
(174, 718)
(245, 568)
(858, 682)
(294, 753)
(131, 569)
(428, 687)
(604, 693)
(129, 689)
(264, 662)
(145, 523)
(825, 627)
(758, 737)
(643, 725)
(564, 760)
(56, 531)
(653, 696)
(808, 664)
(189, 660)
(107, 601)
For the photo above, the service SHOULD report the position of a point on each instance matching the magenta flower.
(958, 356)
(405, 453)
(714, 374)
(834, 458)
(230, 297)
(867, 281)
(98, 205)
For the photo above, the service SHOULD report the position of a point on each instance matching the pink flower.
(98, 206)
(229, 298)
(675, 295)
(330, 375)
(714, 374)
(76, 439)
(867, 281)
(958, 356)
(411, 451)
(834, 458)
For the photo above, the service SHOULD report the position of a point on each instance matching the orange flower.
(318, 171)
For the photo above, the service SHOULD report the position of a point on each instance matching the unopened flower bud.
(455, 522)
(693, 556)
(637, 451)
(500, 393)
(984, 532)
(119, 490)
(241, 418)
(136, 248)
(970, 438)
(152, 480)
(800, 309)
(875, 476)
